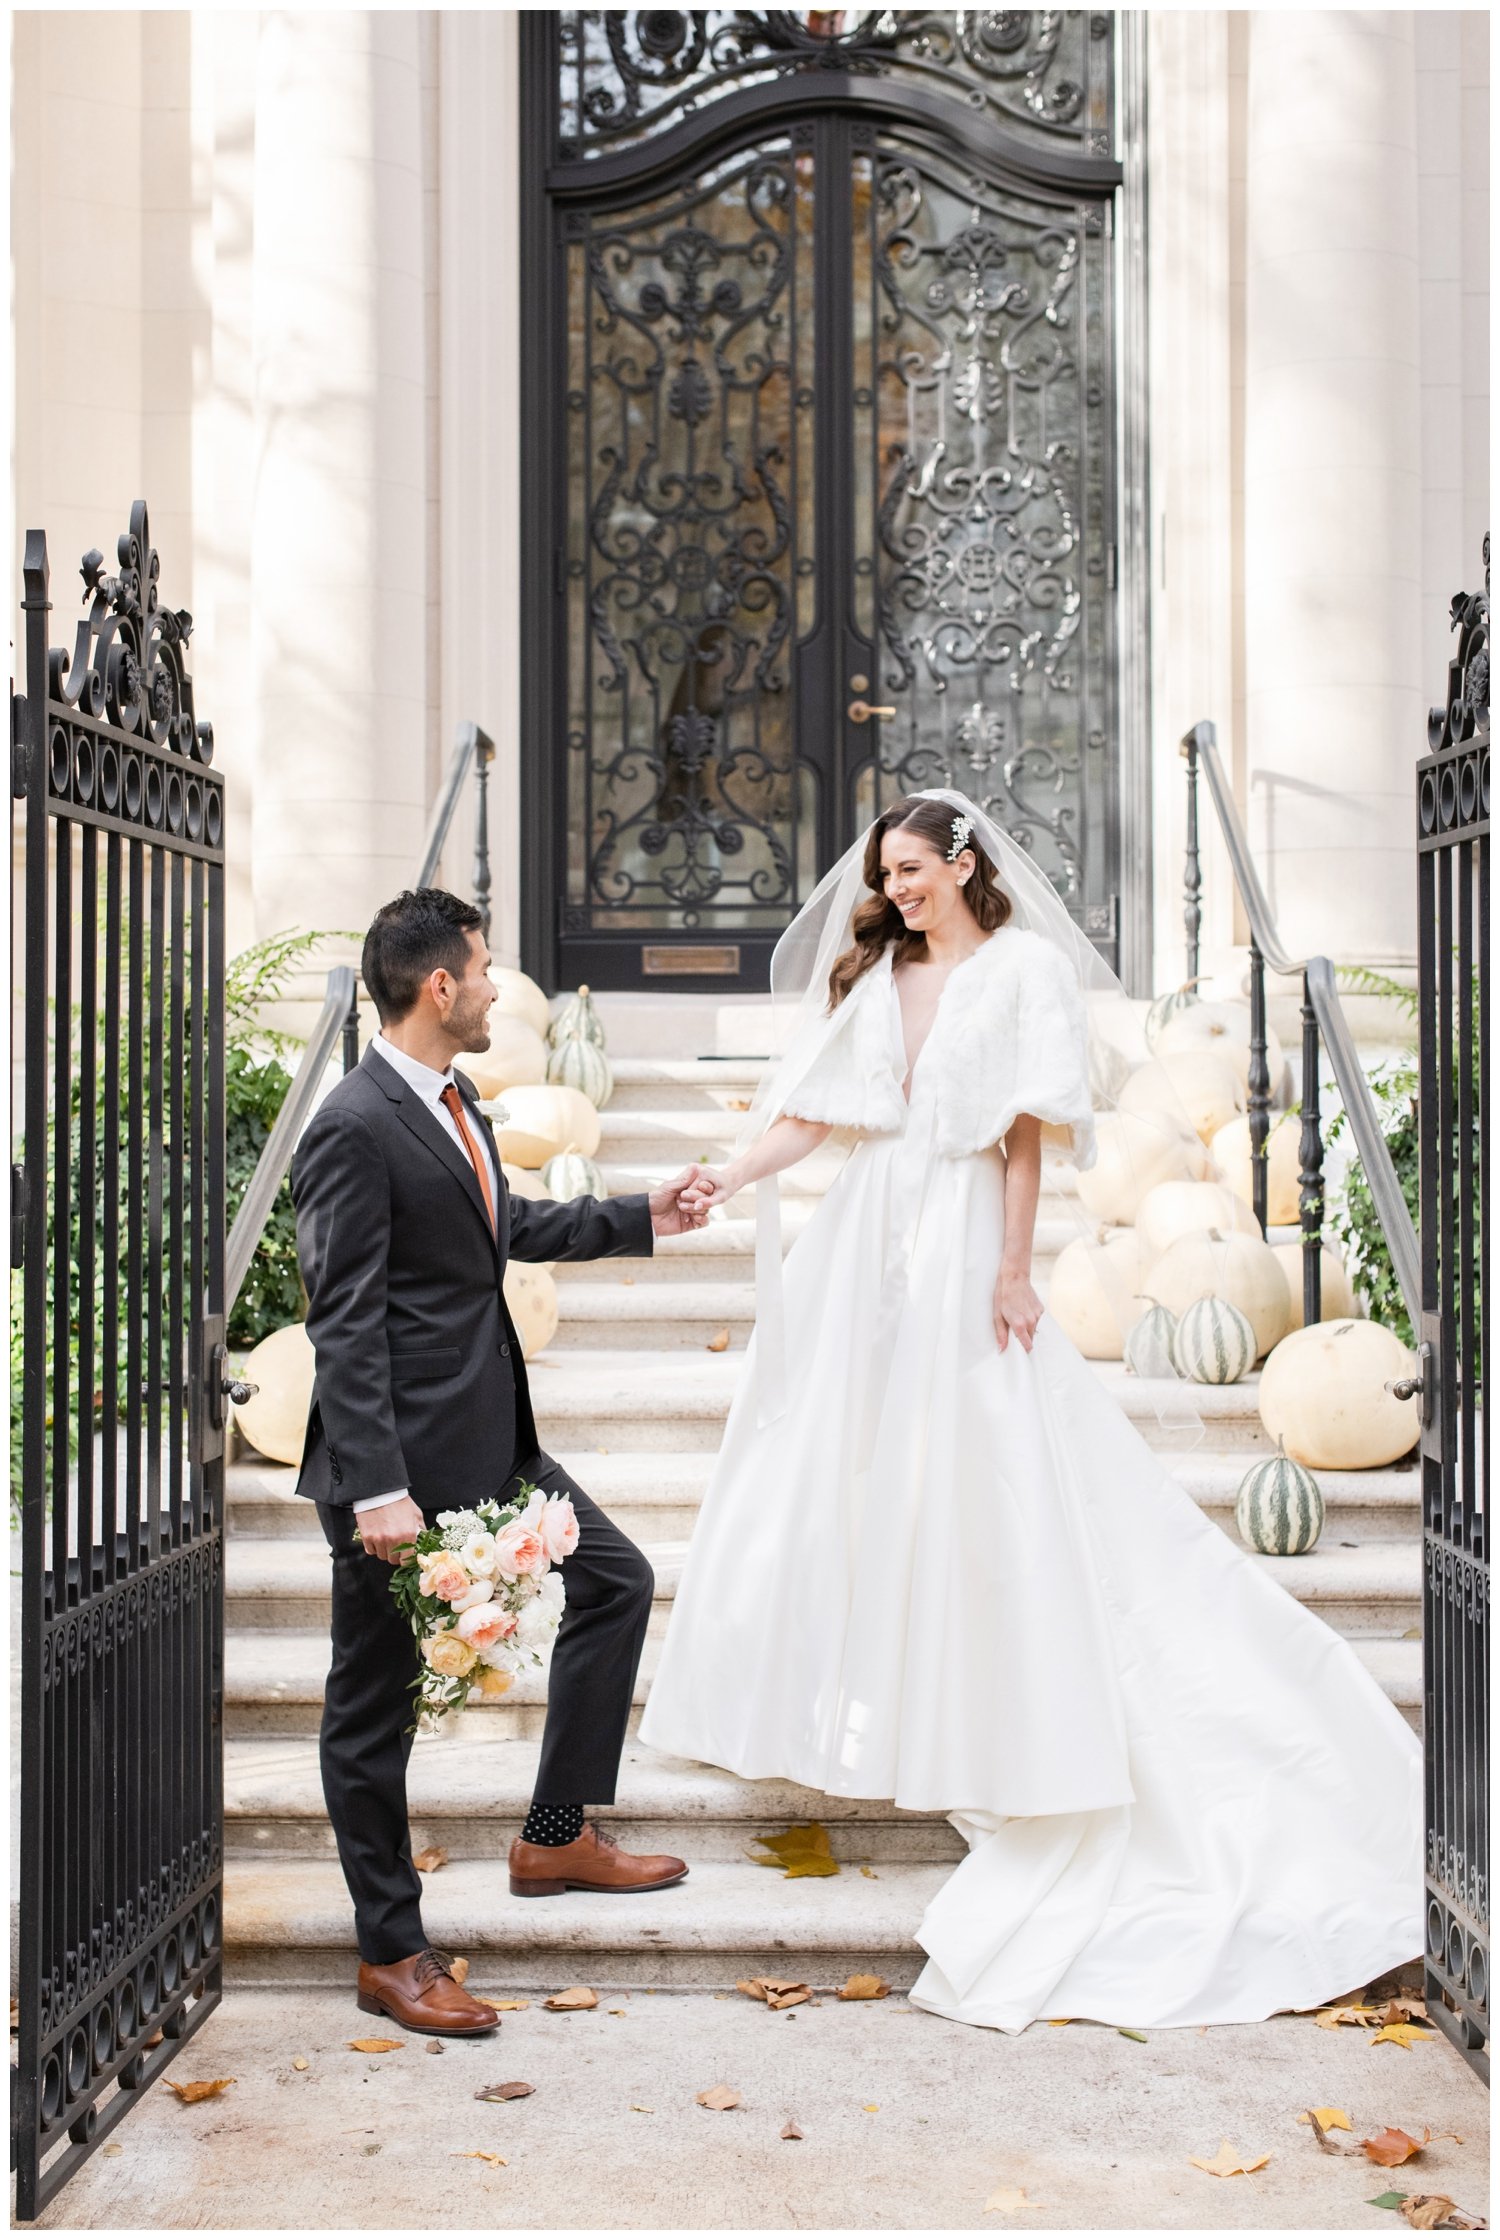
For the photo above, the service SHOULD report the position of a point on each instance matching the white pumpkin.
(1134, 1155)
(516, 1058)
(1181, 1209)
(1197, 1084)
(274, 1418)
(571, 1175)
(531, 1295)
(1279, 1507)
(1323, 1393)
(577, 1021)
(524, 1185)
(539, 1122)
(1242, 1269)
(1223, 1028)
(1231, 1151)
(582, 1065)
(520, 998)
(1166, 1007)
(1337, 1290)
(1213, 1342)
(1109, 1070)
(1149, 1347)
(1092, 1293)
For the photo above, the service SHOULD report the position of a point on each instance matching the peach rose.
(559, 1528)
(450, 1655)
(445, 1577)
(486, 1624)
(520, 1552)
(491, 1682)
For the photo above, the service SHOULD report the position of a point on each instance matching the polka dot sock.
(553, 1824)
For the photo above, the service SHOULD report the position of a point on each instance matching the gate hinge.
(18, 1198)
(20, 760)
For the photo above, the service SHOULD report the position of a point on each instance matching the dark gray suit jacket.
(421, 1381)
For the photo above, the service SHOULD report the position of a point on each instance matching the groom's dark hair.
(423, 931)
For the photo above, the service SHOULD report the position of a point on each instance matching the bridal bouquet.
(482, 1596)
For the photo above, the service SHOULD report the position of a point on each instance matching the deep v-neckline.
(909, 1076)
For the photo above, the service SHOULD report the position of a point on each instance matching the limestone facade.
(266, 272)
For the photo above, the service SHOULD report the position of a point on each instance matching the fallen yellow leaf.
(639, 2111)
(869, 1874)
(428, 1861)
(1011, 2197)
(477, 2154)
(1059, 2021)
(113, 2148)
(459, 1970)
(872, 2108)
(299, 2061)
(503, 2006)
(204, 2088)
(579, 1996)
(719, 2097)
(799, 1851)
(1406, 2034)
(376, 2045)
(1357, 2018)
(865, 1987)
(1228, 2162)
(1332, 2119)
(718, 1343)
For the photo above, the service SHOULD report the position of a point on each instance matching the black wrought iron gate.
(1453, 855)
(819, 476)
(118, 1229)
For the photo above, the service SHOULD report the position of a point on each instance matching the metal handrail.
(276, 1152)
(471, 745)
(1201, 746)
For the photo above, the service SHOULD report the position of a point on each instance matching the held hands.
(391, 1531)
(1017, 1310)
(712, 1187)
(675, 1207)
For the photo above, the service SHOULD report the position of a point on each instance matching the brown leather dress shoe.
(420, 1994)
(594, 1861)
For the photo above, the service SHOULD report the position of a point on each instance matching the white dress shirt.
(429, 1086)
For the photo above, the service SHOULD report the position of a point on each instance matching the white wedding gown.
(961, 1580)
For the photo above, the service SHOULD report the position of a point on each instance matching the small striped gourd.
(571, 1175)
(1148, 1349)
(1279, 1509)
(1214, 1343)
(577, 1021)
(576, 1064)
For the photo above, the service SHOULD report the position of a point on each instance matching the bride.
(937, 1564)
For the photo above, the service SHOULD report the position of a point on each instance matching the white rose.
(553, 1593)
(501, 1656)
(481, 1591)
(478, 1554)
(535, 1626)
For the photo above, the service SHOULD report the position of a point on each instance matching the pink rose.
(485, 1624)
(519, 1551)
(445, 1577)
(559, 1528)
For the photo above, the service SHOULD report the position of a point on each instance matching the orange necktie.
(455, 1104)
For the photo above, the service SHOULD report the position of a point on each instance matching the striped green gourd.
(1148, 1348)
(1214, 1343)
(571, 1175)
(1167, 1007)
(1279, 1509)
(577, 1021)
(576, 1064)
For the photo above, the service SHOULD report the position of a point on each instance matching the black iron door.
(118, 1231)
(821, 492)
(1453, 863)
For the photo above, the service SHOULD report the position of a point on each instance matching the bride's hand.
(1018, 1310)
(711, 1187)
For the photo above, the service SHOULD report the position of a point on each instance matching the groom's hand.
(669, 1216)
(389, 1532)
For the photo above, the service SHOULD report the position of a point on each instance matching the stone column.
(1334, 692)
(338, 535)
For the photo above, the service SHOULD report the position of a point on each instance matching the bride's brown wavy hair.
(878, 923)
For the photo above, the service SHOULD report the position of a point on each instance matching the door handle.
(860, 711)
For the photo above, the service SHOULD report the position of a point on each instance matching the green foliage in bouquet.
(1355, 1222)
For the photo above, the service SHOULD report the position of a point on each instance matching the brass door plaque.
(666, 962)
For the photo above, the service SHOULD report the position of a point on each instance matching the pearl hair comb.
(962, 827)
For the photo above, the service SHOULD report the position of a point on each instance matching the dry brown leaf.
(577, 1996)
(459, 1970)
(719, 2096)
(203, 2088)
(1228, 2162)
(869, 1874)
(434, 2045)
(1011, 2197)
(637, 2110)
(376, 2045)
(1357, 2018)
(718, 1343)
(776, 1991)
(1326, 2119)
(428, 1861)
(515, 2091)
(737, 1104)
(865, 1987)
(155, 2039)
(1390, 2148)
(1321, 2130)
(799, 1851)
(299, 2061)
(1405, 2034)
(1439, 2212)
(791, 2129)
(1405, 2010)
(503, 2006)
(114, 2147)
(477, 2154)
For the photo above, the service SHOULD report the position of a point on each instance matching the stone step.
(722, 1252)
(289, 1923)
(684, 1085)
(470, 1797)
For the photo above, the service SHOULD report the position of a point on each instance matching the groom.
(420, 1403)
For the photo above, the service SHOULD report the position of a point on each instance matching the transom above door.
(820, 497)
